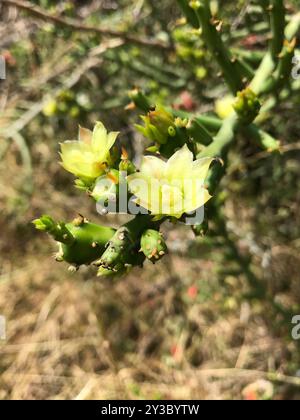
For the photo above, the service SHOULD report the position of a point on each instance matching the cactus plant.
(189, 142)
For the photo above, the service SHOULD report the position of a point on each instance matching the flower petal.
(111, 139)
(99, 138)
(102, 142)
(179, 165)
(152, 166)
(195, 196)
(147, 191)
(200, 168)
(172, 201)
(85, 135)
(78, 159)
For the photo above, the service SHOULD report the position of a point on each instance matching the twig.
(268, 64)
(92, 61)
(277, 20)
(272, 376)
(78, 26)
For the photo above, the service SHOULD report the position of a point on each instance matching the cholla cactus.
(171, 189)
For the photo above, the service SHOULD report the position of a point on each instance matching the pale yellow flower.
(224, 106)
(86, 158)
(171, 188)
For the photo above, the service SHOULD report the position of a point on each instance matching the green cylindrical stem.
(140, 100)
(198, 132)
(189, 13)
(277, 20)
(283, 70)
(292, 28)
(263, 139)
(223, 139)
(215, 44)
(89, 244)
(219, 148)
(123, 247)
(253, 57)
(268, 64)
(80, 242)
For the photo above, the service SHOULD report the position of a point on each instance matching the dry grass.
(73, 337)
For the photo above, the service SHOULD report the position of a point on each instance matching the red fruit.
(174, 350)
(250, 41)
(185, 102)
(192, 292)
(250, 396)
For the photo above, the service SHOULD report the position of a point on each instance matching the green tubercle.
(153, 245)
(201, 229)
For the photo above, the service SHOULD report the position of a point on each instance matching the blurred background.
(193, 326)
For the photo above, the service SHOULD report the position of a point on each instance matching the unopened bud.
(247, 105)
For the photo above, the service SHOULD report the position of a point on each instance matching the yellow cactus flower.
(224, 106)
(87, 157)
(171, 188)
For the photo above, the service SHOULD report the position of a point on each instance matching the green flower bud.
(172, 131)
(84, 184)
(181, 122)
(195, 4)
(247, 105)
(139, 100)
(50, 108)
(153, 245)
(158, 123)
(59, 231)
(126, 165)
